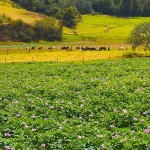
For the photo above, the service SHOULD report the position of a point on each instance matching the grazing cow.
(102, 48)
(88, 48)
(33, 47)
(121, 48)
(77, 47)
(27, 47)
(93, 49)
(65, 48)
(40, 47)
(51, 48)
(84, 48)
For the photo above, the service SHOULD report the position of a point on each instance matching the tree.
(126, 7)
(146, 8)
(70, 17)
(137, 8)
(140, 35)
(48, 29)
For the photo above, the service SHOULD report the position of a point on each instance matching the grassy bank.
(11, 10)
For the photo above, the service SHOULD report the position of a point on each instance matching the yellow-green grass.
(98, 29)
(19, 13)
(61, 56)
(103, 29)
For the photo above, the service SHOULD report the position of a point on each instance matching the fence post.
(5, 60)
(83, 58)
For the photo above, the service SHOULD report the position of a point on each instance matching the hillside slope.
(7, 8)
(99, 28)
(103, 29)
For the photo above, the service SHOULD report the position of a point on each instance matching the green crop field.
(103, 29)
(91, 105)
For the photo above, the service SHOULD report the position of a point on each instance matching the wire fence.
(19, 49)
(57, 58)
(34, 53)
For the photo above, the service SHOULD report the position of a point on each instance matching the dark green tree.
(111, 7)
(126, 7)
(140, 35)
(48, 30)
(146, 8)
(137, 8)
(70, 17)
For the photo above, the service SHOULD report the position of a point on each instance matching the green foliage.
(111, 7)
(91, 105)
(140, 35)
(70, 17)
(4, 19)
(48, 30)
(126, 7)
(18, 30)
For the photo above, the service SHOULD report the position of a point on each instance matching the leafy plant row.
(90, 105)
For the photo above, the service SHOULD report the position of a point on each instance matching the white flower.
(80, 137)
(26, 126)
(51, 107)
(115, 109)
(43, 145)
(7, 147)
(33, 130)
(60, 127)
(100, 136)
(124, 111)
(33, 116)
(112, 126)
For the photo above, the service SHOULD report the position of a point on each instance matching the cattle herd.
(70, 48)
(86, 48)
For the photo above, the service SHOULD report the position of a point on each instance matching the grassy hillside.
(103, 29)
(93, 105)
(96, 29)
(7, 8)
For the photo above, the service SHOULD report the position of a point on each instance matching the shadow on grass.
(135, 55)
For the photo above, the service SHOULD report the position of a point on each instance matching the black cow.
(65, 48)
(88, 48)
(84, 48)
(33, 47)
(40, 47)
(77, 47)
(102, 48)
(92, 48)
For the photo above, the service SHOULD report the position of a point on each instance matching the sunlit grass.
(103, 29)
(100, 29)
(16, 13)
(61, 56)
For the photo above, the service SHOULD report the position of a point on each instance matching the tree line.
(17, 30)
(57, 8)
